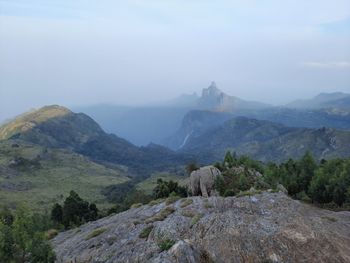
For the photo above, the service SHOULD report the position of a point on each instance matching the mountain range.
(157, 123)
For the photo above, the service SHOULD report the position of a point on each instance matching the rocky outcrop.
(202, 181)
(267, 227)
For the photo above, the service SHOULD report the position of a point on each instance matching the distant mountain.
(267, 141)
(58, 127)
(323, 100)
(145, 124)
(214, 99)
(197, 122)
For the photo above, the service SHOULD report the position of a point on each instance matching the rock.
(275, 228)
(282, 189)
(202, 181)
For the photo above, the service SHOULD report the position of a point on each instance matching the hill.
(337, 100)
(57, 127)
(268, 227)
(266, 141)
(40, 176)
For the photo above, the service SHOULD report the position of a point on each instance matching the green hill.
(38, 176)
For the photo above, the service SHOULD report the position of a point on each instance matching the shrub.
(51, 233)
(146, 231)
(163, 214)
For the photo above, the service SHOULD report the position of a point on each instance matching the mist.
(138, 52)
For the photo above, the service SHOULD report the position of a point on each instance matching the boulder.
(202, 181)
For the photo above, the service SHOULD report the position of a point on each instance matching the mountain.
(214, 99)
(197, 122)
(57, 127)
(266, 141)
(267, 227)
(324, 100)
(142, 125)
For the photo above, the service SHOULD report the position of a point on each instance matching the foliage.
(192, 166)
(74, 211)
(165, 188)
(327, 182)
(23, 238)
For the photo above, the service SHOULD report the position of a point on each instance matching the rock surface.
(202, 181)
(267, 227)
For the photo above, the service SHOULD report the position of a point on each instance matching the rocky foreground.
(267, 227)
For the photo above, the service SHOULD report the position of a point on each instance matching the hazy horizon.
(131, 53)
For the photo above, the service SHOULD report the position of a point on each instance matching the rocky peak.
(266, 227)
(211, 91)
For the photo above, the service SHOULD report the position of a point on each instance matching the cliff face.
(267, 227)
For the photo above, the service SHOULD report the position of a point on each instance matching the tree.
(41, 250)
(6, 243)
(192, 166)
(57, 213)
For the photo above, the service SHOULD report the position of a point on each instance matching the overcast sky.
(80, 52)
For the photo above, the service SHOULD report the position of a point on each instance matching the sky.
(82, 52)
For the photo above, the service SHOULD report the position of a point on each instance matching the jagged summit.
(214, 99)
(212, 91)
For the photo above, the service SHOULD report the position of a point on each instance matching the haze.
(138, 52)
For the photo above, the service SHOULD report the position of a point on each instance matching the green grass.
(156, 202)
(150, 183)
(171, 199)
(162, 215)
(96, 233)
(146, 231)
(137, 205)
(61, 171)
(186, 202)
(166, 244)
(196, 219)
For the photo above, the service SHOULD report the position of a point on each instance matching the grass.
(196, 219)
(146, 231)
(61, 171)
(329, 218)
(186, 202)
(207, 205)
(162, 215)
(156, 202)
(166, 244)
(171, 199)
(96, 233)
(187, 213)
(248, 193)
(137, 205)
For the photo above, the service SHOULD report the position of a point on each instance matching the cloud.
(328, 65)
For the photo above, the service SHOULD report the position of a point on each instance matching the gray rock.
(282, 189)
(202, 181)
(275, 228)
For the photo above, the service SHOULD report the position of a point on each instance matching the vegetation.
(166, 244)
(39, 177)
(74, 212)
(96, 233)
(167, 188)
(22, 237)
(146, 231)
(326, 183)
